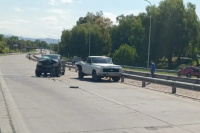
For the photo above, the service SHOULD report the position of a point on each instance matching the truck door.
(88, 66)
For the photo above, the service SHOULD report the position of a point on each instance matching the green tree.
(192, 29)
(76, 41)
(65, 43)
(173, 26)
(41, 44)
(130, 31)
(3, 47)
(125, 55)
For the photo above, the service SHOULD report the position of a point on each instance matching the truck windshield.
(106, 60)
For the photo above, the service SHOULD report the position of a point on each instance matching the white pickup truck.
(99, 67)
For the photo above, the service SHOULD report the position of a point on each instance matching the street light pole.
(149, 35)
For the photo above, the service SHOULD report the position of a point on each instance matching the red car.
(189, 71)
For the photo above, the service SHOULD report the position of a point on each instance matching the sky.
(48, 18)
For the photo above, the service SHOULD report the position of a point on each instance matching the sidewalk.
(5, 125)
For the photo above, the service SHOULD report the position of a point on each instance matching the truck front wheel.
(115, 79)
(95, 76)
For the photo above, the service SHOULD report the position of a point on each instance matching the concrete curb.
(16, 121)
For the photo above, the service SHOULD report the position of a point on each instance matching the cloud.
(111, 16)
(17, 9)
(50, 20)
(57, 11)
(66, 1)
(52, 2)
(33, 9)
(20, 21)
(8, 23)
(5, 23)
(64, 15)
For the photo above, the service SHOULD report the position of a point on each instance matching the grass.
(163, 64)
(148, 71)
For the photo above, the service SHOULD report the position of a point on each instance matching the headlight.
(120, 70)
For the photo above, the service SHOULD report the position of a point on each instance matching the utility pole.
(149, 35)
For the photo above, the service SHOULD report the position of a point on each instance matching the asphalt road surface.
(50, 105)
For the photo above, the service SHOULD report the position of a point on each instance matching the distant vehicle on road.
(99, 67)
(189, 71)
(50, 63)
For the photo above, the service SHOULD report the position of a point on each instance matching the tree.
(130, 31)
(125, 55)
(3, 47)
(120, 34)
(65, 43)
(172, 27)
(96, 27)
(193, 29)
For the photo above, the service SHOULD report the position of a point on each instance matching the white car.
(99, 67)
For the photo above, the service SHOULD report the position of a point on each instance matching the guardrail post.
(122, 78)
(143, 84)
(173, 90)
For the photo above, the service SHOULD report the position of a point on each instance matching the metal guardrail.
(172, 81)
(143, 68)
(32, 57)
(68, 63)
(166, 77)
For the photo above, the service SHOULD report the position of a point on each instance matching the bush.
(3, 48)
(125, 55)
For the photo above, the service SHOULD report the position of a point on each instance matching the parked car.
(50, 63)
(189, 71)
(76, 59)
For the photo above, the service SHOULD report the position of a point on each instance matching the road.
(50, 105)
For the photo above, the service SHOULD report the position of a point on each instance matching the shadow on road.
(103, 80)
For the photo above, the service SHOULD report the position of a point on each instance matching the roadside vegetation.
(175, 36)
(14, 44)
